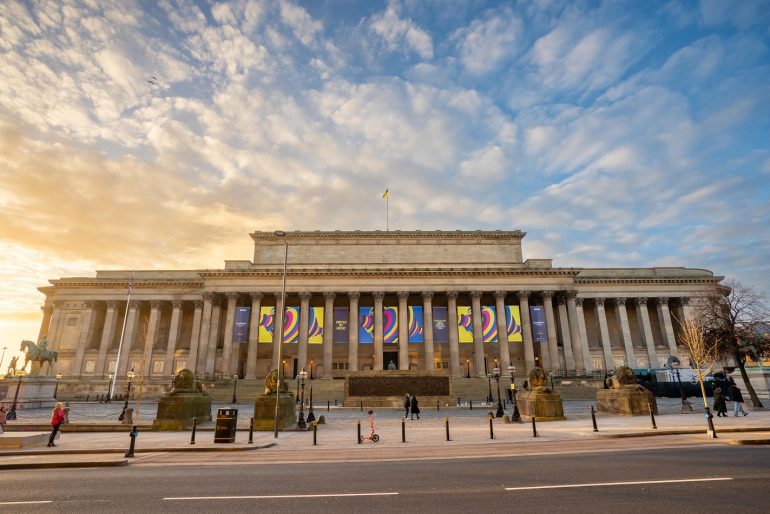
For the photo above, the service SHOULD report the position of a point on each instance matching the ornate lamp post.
(131, 374)
(108, 388)
(311, 369)
(468, 368)
(235, 385)
(11, 416)
(283, 367)
(310, 415)
(489, 383)
(56, 389)
(516, 415)
(301, 425)
(500, 412)
(675, 364)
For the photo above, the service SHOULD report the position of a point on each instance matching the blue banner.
(440, 325)
(539, 329)
(241, 325)
(341, 319)
(366, 325)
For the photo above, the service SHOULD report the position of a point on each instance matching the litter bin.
(227, 419)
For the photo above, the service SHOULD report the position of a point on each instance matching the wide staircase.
(247, 390)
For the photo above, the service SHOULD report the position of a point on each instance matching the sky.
(617, 133)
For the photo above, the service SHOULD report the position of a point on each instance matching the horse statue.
(38, 354)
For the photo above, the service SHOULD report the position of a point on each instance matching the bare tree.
(704, 351)
(731, 317)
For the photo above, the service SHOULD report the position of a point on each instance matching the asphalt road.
(718, 479)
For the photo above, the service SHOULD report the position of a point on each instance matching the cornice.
(350, 235)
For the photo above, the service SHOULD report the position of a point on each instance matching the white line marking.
(278, 496)
(605, 484)
(26, 503)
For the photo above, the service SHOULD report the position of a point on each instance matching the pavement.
(336, 439)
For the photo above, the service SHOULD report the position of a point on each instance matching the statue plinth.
(35, 392)
(186, 401)
(264, 412)
(543, 404)
(626, 401)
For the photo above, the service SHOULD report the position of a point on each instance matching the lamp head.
(280, 233)
(496, 372)
(20, 373)
(131, 374)
(511, 369)
(58, 376)
(303, 374)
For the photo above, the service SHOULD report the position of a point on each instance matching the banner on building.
(241, 325)
(539, 330)
(341, 319)
(290, 325)
(315, 325)
(266, 321)
(464, 325)
(366, 325)
(488, 325)
(415, 321)
(513, 323)
(440, 327)
(389, 325)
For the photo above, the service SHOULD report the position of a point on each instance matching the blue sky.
(614, 133)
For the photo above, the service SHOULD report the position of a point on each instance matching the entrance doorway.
(387, 358)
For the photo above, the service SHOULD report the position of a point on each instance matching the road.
(719, 478)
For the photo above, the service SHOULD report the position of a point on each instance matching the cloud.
(486, 44)
(400, 33)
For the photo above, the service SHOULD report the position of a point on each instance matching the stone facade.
(596, 318)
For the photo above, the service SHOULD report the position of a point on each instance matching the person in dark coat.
(720, 405)
(737, 397)
(414, 408)
(407, 405)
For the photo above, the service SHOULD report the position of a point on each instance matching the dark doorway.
(387, 358)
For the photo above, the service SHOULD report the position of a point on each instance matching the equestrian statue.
(38, 354)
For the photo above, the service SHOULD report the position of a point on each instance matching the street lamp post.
(281, 234)
(489, 382)
(516, 414)
(56, 389)
(310, 415)
(235, 385)
(311, 369)
(3, 357)
(131, 374)
(283, 367)
(296, 396)
(11, 416)
(468, 367)
(109, 381)
(301, 425)
(500, 412)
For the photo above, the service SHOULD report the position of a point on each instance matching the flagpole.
(120, 344)
(387, 214)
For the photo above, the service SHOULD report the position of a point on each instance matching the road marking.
(277, 496)
(607, 484)
(26, 503)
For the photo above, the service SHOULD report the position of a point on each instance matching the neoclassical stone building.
(463, 301)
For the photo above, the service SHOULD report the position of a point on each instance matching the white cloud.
(486, 44)
(398, 33)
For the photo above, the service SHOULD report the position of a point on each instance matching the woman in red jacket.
(57, 418)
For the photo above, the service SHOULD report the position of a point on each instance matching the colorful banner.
(513, 323)
(539, 330)
(416, 321)
(315, 325)
(488, 325)
(464, 325)
(366, 325)
(290, 325)
(389, 325)
(440, 327)
(266, 320)
(241, 325)
(341, 318)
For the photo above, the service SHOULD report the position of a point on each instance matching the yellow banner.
(464, 325)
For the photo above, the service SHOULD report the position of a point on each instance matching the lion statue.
(184, 382)
(537, 380)
(623, 378)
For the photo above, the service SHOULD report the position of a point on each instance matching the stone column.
(86, 334)
(378, 336)
(128, 338)
(251, 359)
(526, 330)
(278, 321)
(478, 336)
(666, 326)
(108, 334)
(173, 335)
(203, 336)
(574, 332)
(427, 326)
(502, 331)
(53, 331)
(328, 339)
(454, 345)
(604, 334)
(569, 359)
(403, 330)
(192, 357)
(304, 315)
(687, 309)
(550, 326)
(46, 323)
(581, 320)
(211, 352)
(352, 330)
(227, 348)
(625, 332)
(646, 330)
(149, 338)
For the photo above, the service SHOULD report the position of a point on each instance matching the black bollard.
(359, 432)
(710, 418)
(652, 417)
(458, 401)
(471, 404)
(134, 433)
(335, 402)
(403, 430)
(446, 423)
(437, 406)
(328, 404)
(491, 430)
(361, 405)
(195, 425)
(251, 431)
(593, 419)
(315, 433)
(534, 428)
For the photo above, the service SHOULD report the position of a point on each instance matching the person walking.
(57, 418)
(720, 404)
(737, 397)
(407, 405)
(414, 407)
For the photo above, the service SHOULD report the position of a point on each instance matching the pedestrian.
(737, 397)
(720, 405)
(414, 408)
(3, 419)
(407, 405)
(57, 418)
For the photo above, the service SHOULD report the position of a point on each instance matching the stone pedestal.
(264, 412)
(176, 411)
(543, 405)
(36, 392)
(626, 401)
